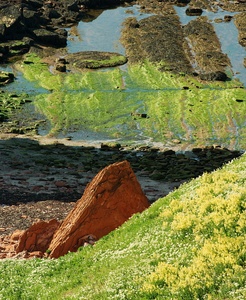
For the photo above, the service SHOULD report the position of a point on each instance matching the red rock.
(37, 237)
(8, 244)
(15, 236)
(35, 254)
(111, 198)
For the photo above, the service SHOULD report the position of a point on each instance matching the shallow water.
(103, 32)
(228, 36)
(95, 110)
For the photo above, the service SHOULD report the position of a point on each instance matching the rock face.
(37, 237)
(112, 197)
(32, 242)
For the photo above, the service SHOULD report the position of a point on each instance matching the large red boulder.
(111, 198)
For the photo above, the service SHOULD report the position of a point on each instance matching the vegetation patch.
(10, 102)
(107, 102)
(189, 245)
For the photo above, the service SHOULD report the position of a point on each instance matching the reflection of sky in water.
(20, 84)
(228, 36)
(103, 33)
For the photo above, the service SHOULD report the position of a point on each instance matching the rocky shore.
(42, 178)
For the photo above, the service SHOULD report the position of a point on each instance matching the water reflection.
(103, 32)
(143, 113)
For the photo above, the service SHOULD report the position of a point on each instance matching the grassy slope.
(188, 245)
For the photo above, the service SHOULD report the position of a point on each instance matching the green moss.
(95, 59)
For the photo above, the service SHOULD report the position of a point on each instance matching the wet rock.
(2, 31)
(10, 15)
(30, 18)
(95, 59)
(240, 22)
(228, 18)
(47, 37)
(144, 116)
(35, 3)
(206, 51)
(157, 39)
(110, 146)
(183, 2)
(54, 14)
(112, 197)
(60, 65)
(234, 6)
(34, 19)
(6, 77)
(212, 76)
(100, 3)
(193, 11)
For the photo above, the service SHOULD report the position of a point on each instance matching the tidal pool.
(135, 104)
(146, 107)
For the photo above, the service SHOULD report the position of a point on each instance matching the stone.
(32, 242)
(193, 11)
(8, 244)
(95, 59)
(47, 37)
(37, 237)
(214, 76)
(111, 198)
(6, 77)
(240, 22)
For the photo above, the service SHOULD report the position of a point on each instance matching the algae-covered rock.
(95, 59)
(158, 39)
(206, 50)
(240, 22)
(6, 77)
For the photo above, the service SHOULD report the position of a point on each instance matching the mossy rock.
(6, 77)
(95, 59)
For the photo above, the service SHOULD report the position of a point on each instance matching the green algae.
(112, 101)
(95, 59)
(9, 103)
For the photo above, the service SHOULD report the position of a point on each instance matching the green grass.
(188, 245)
